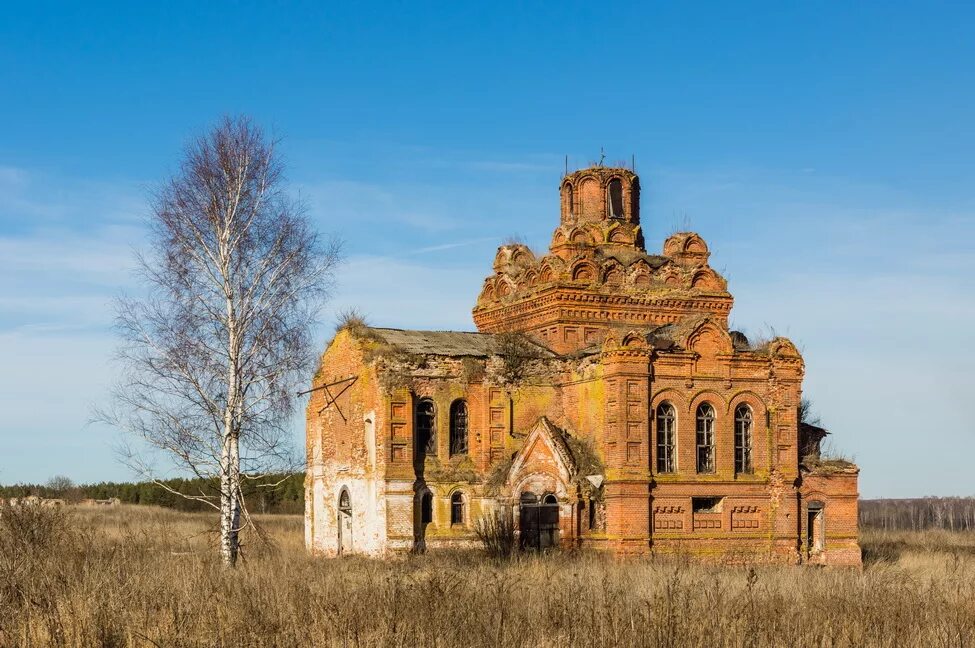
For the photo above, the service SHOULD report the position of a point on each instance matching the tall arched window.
(457, 508)
(615, 198)
(568, 199)
(666, 437)
(705, 438)
(426, 427)
(743, 439)
(344, 522)
(458, 427)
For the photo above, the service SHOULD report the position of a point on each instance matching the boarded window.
(426, 428)
(666, 436)
(705, 438)
(615, 198)
(458, 427)
(744, 423)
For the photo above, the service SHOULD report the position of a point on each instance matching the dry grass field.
(147, 577)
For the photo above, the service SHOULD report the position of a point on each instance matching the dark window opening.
(426, 429)
(568, 199)
(458, 427)
(705, 438)
(744, 424)
(615, 198)
(815, 527)
(457, 508)
(345, 503)
(426, 508)
(706, 504)
(592, 514)
(666, 436)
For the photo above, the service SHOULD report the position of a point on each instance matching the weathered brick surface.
(630, 332)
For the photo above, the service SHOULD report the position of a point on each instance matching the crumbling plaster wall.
(345, 451)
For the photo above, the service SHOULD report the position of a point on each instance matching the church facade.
(603, 404)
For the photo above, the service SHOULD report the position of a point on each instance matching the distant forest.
(282, 493)
(919, 514)
(285, 493)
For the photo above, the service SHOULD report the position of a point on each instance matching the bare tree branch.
(211, 354)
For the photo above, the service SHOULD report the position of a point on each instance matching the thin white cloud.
(31, 200)
(402, 294)
(449, 246)
(873, 285)
(347, 202)
(11, 177)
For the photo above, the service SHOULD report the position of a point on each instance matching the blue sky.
(824, 151)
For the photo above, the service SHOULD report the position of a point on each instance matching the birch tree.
(214, 347)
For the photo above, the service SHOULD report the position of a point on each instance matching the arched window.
(344, 522)
(666, 437)
(457, 508)
(426, 427)
(743, 439)
(815, 527)
(568, 199)
(458, 427)
(615, 198)
(705, 438)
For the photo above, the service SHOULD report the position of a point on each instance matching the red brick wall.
(599, 298)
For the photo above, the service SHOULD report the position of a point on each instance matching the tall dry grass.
(137, 577)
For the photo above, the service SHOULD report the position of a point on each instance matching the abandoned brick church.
(603, 404)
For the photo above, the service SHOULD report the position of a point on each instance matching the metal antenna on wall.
(602, 156)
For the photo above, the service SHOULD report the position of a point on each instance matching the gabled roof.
(545, 448)
(445, 343)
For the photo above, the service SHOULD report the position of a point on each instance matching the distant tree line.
(279, 493)
(919, 514)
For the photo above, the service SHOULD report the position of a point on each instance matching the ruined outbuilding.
(604, 404)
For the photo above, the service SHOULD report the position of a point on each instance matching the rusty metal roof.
(445, 343)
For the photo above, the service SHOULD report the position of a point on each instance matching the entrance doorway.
(422, 516)
(815, 528)
(538, 521)
(344, 522)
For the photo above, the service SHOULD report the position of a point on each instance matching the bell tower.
(597, 274)
(601, 194)
(600, 208)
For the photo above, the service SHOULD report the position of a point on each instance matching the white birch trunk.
(228, 529)
(235, 275)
